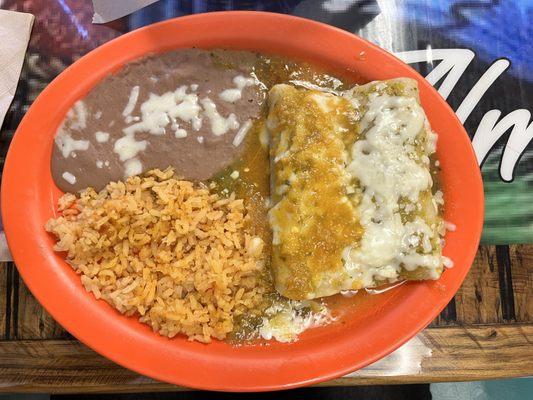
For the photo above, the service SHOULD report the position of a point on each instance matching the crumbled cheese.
(67, 144)
(219, 124)
(241, 133)
(161, 110)
(230, 95)
(101, 137)
(241, 82)
(180, 133)
(69, 177)
(158, 111)
(132, 102)
(99, 164)
(98, 115)
(188, 109)
(132, 167)
(106, 163)
(200, 139)
(79, 114)
(174, 126)
(234, 94)
(196, 123)
(194, 87)
(234, 174)
(127, 147)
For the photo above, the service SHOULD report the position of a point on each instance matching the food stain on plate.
(240, 196)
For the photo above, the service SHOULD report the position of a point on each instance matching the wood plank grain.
(435, 355)
(10, 300)
(478, 300)
(447, 317)
(21, 315)
(503, 259)
(3, 301)
(33, 322)
(522, 269)
(456, 354)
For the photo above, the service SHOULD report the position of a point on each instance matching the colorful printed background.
(65, 32)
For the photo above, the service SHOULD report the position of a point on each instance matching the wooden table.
(485, 332)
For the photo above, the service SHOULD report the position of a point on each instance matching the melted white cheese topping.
(196, 123)
(234, 94)
(219, 124)
(180, 133)
(241, 133)
(132, 167)
(132, 102)
(127, 147)
(79, 114)
(67, 144)
(159, 110)
(385, 164)
(101, 137)
(230, 95)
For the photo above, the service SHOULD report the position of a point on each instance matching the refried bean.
(85, 152)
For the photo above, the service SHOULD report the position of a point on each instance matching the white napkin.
(105, 10)
(15, 29)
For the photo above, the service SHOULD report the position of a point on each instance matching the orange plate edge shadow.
(29, 195)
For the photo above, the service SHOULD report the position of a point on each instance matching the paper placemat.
(15, 29)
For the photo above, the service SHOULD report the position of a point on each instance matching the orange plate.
(29, 196)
